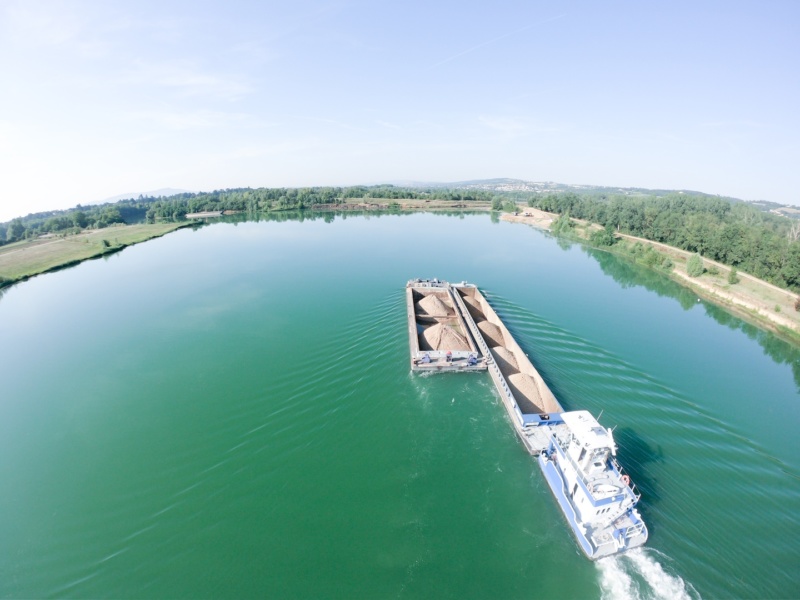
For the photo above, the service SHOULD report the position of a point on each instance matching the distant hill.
(511, 187)
(160, 193)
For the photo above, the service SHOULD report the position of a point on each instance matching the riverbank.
(752, 299)
(22, 260)
(381, 204)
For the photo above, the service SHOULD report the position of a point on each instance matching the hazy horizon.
(106, 97)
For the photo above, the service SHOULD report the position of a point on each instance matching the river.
(228, 412)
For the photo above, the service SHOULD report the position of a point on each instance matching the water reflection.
(628, 274)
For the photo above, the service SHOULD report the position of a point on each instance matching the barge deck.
(484, 343)
(438, 335)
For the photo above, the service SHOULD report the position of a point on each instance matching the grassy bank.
(751, 299)
(25, 259)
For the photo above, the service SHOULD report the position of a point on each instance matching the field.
(31, 257)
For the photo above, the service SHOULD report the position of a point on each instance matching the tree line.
(151, 209)
(733, 233)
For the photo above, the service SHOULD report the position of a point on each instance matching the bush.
(733, 278)
(562, 224)
(713, 270)
(603, 237)
(797, 304)
(105, 243)
(694, 266)
(667, 264)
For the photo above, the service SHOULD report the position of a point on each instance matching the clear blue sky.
(102, 97)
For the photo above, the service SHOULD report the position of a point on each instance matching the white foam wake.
(638, 574)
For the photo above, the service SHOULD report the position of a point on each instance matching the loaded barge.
(453, 328)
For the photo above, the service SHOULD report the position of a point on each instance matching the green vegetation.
(24, 259)
(733, 276)
(253, 201)
(694, 266)
(603, 237)
(563, 224)
(510, 206)
(736, 234)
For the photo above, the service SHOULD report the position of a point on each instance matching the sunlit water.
(229, 412)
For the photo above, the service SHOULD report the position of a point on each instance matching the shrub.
(667, 264)
(713, 270)
(562, 224)
(105, 243)
(650, 257)
(509, 206)
(733, 278)
(797, 304)
(694, 266)
(603, 237)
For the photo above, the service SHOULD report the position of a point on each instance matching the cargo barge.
(438, 335)
(576, 455)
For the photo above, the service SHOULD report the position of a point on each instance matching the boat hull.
(616, 545)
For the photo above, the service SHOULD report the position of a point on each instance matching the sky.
(103, 97)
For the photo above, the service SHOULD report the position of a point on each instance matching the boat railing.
(427, 283)
(634, 530)
(587, 482)
(623, 476)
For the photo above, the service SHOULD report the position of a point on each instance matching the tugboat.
(597, 498)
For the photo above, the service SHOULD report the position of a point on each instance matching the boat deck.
(435, 305)
(438, 336)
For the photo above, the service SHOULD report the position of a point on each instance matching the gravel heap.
(491, 333)
(433, 306)
(441, 337)
(505, 360)
(474, 308)
(525, 391)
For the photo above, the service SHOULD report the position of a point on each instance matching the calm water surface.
(229, 412)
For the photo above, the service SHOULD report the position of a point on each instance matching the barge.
(438, 335)
(575, 454)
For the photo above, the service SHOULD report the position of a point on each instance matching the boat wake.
(638, 574)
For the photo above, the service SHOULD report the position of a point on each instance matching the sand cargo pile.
(438, 336)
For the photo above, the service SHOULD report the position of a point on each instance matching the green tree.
(497, 203)
(733, 276)
(16, 230)
(603, 237)
(79, 219)
(694, 266)
(562, 224)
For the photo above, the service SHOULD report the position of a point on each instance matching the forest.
(152, 209)
(734, 233)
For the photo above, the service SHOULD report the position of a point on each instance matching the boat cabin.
(591, 443)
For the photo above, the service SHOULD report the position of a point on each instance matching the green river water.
(228, 412)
